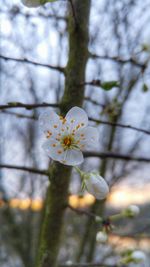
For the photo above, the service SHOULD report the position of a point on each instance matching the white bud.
(31, 3)
(138, 256)
(132, 210)
(96, 185)
(101, 237)
(68, 263)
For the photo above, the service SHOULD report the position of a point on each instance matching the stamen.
(55, 126)
(48, 134)
(78, 126)
(82, 124)
(59, 151)
(54, 145)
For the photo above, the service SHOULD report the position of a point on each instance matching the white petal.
(77, 116)
(89, 137)
(48, 120)
(55, 152)
(97, 186)
(31, 3)
(72, 157)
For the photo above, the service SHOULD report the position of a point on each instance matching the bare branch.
(120, 125)
(25, 60)
(113, 155)
(19, 115)
(32, 106)
(22, 168)
(90, 265)
(120, 60)
(82, 212)
(28, 106)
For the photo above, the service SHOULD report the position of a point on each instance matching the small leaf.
(109, 85)
(145, 88)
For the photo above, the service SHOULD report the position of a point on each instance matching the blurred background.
(120, 51)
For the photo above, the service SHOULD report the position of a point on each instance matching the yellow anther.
(55, 126)
(67, 141)
(54, 145)
(48, 134)
(59, 151)
(78, 126)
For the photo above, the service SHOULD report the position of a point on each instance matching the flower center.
(67, 141)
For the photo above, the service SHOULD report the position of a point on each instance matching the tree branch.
(113, 155)
(28, 106)
(22, 168)
(90, 265)
(82, 212)
(120, 125)
(120, 60)
(25, 60)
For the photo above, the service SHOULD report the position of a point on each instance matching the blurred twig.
(28, 106)
(120, 125)
(120, 60)
(115, 156)
(25, 60)
(22, 168)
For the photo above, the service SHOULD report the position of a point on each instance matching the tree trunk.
(57, 195)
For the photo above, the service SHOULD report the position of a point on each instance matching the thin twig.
(19, 115)
(113, 155)
(90, 265)
(94, 102)
(120, 60)
(22, 168)
(25, 60)
(120, 125)
(55, 105)
(28, 106)
(82, 212)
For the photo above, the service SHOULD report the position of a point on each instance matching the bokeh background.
(120, 36)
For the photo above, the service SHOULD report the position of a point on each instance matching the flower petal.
(88, 137)
(31, 3)
(73, 157)
(50, 121)
(76, 117)
(54, 150)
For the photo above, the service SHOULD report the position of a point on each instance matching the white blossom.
(96, 185)
(132, 211)
(68, 137)
(138, 256)
(35, 3)
(31, 3)
(101, 237)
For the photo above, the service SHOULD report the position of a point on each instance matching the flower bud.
(31, 3)
(138, 256)
(101, 237)
(132, 211)
(96, 185)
